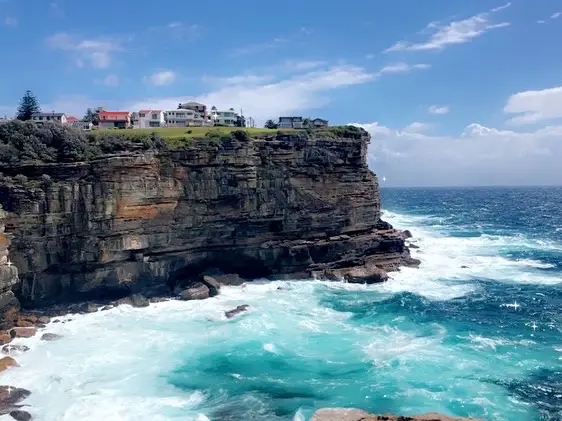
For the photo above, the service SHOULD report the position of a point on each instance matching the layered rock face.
(9, 305)
(145, 223)
(342, 414)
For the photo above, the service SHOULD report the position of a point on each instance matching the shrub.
(20, 179)
(240, 135)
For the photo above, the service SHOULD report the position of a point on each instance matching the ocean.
(475, 331)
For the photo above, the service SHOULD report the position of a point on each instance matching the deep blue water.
(475, 331)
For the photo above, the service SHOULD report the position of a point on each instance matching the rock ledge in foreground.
(345, 414)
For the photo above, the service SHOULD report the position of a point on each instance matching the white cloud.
(301, 65)
(164, 77)
(11, 21)
(299, 93)
(438, 109)
(479, 155)
(95, 52)
(541, 22)
(456, 32)
(274, 43)
(535, 106)
(556, 15)
(416, 127)
(402, 68)
(110, 80)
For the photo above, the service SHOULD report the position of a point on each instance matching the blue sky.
(454, 92)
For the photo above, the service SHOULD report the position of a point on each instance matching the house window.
(141, 114)
(155, 116)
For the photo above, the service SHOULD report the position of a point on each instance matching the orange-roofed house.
(114, 119)
(149, 118)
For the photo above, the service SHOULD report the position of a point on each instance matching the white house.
(82, 125)
(224, 118)
(184, 118)
(290, 122)
(55, 117)
(145, 119)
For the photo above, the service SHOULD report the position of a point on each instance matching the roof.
(193, 103)
(290, 118)
(47, 114)
(321, 119)
(123, 113)
(150, 111)
(71, 118)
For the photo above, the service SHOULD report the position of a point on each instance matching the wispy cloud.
(95, 52)
(535, 106)
(11, 21)
(438, 109)
(161, 78)
(556, 15)
(456, 32)
(417, 127)
(56, 10)
(401, 68)
(271, 44)
(109, 80)
(306, 91)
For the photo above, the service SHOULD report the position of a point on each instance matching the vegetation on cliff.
(28, 143)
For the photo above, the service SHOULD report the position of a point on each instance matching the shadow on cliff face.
(221, 263)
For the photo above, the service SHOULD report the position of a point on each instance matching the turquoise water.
(474, 332)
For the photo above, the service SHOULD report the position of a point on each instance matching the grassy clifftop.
(29, 143)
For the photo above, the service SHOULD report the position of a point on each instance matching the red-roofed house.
(114, 119)
(149, 118)
(71, 119)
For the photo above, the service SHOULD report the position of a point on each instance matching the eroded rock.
(11, 348)
(20, 415)
(10, 397)
(239, 309)
(23, 332)
(198, 291)
(7, 362)
(212, 284)
(50, 337)
(344, 414)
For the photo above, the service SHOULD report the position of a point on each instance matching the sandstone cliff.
(145, 222)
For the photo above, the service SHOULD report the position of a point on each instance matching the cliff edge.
(147, 222)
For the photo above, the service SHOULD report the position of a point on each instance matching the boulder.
(24, 323)
(138, 300)
(50, 337)
(10, 396)
(212, 284)
(5, 338)
(7, 362)
(23, 332)
(8, 349)
(20, 415)
(343, 414)
(231, 313)
(44, 320)
(107, 307)
(367, 274)
(230, 279)
(91, 308)
(407, 234)
(198, 291)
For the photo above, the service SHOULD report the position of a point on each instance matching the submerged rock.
(407, 234)
(7, 362)
(50, 337)
(231, 313)
(343, 414)
(10, 396)
(20, 415)
(8, 349)
(198, 291)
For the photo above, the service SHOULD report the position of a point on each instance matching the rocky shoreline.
(344, 414)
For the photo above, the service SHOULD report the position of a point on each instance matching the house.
(71, 119)
(290, 123)
(43, 117)
(114, 119)
(194, 106)
(184, 118)
(82, 125)
(319, 123)
(224, 118)
(145, 119)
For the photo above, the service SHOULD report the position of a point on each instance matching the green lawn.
(189, 132)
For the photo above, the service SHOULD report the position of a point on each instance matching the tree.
(240, 121)
(269, 124)
(307, 123)
(92, 116)
(28, 106)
